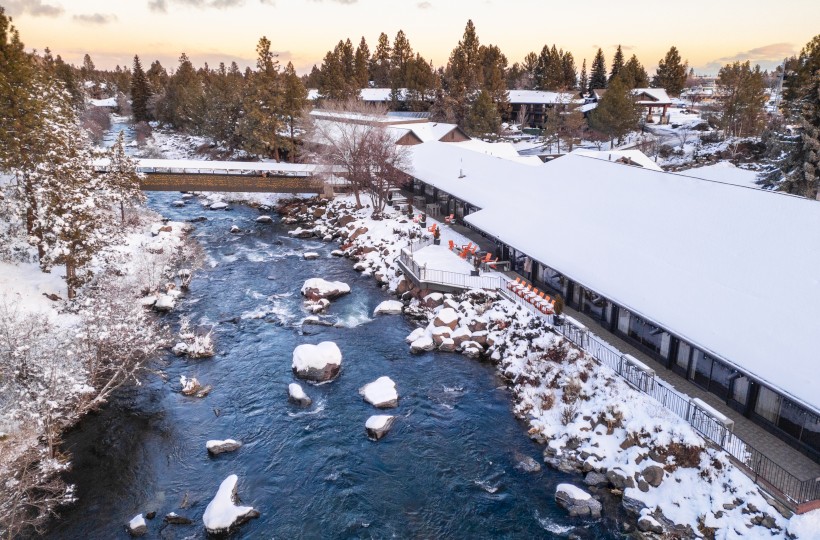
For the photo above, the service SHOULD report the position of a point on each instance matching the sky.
(708, 34)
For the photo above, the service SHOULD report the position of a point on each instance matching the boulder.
(477, 325)
(424, 343)
(619, 478)
(316, 288)
(337, 253)
(471, 349)
(189, 386)
(576, 501)
(647, 523)
(433, 300)
(447, 317)
(264, 219)
(357, 233)
(381, 393)
(389, 307)
(460, 336)
(219, 447)
(178, 204)
(298, 396)
(222, 513)
(447, 345)
(310, 255)
(594, 478)
(148, 301)
(415, 334)
(300, 233)
(631, 502)
(137, 526)
(378, 425)
(165, 302)
(218, 206)
(344, 220)
(317, 363)
(653, 475)
(527, 464)
(175, 519)
(235, 229)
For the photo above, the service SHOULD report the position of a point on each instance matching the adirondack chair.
(451, 244)
(449, 219)
(432, 228)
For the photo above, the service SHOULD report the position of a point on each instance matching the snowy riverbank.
(590, 421)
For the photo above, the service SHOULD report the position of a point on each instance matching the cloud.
(35, 8)
(161, 6)
(767, 56)
(95, 18)
(624, 47)
(424, 5)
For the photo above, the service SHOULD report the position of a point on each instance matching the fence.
(766, 472)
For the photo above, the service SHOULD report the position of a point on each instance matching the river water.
(447, 469)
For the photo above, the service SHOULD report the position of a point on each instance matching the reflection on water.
(446, 470)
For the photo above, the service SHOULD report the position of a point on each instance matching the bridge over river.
(231, 176)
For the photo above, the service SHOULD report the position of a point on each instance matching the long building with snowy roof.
(717, 282)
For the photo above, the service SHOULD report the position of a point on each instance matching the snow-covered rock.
(178, 203)
(378, 425)
(148, 301)
(318, 363)
(576, 501)
(381, 393)
(433, 300)
(389, 307)
(222, 513)
(165, 302)
(137, 526)
(189, 386)
(310, 255)
(422, 344)
(415, 334)
(337, 253)
(447, 317)
(218, 206)
(175, 519)
(316, 288)
(298, 396)
(235, 229)
(218, 447)
(264, 219)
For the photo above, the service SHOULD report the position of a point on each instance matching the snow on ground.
(441, 258)
(806, 526)
(25, 285)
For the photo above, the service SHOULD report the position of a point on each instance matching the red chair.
(432, 228)
(449, 219)
(451, 244)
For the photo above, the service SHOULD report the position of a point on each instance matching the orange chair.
(468, 247)
(473, 250)
(463, 254)
(449, 219)
(451, 244)
(486, 258)
(432, 228)
(513, 284)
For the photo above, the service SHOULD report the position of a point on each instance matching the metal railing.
(766, 472)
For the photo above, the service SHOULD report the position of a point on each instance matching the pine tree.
(597, 77)
(140, 92)
(123, 180)
(224, 107)
(483, 117)
(380, 63)
(584, 82)
(183, 103)
(400, 58)
(294, 101)
(617, 63)
(802, 105)
(347, 56)
(261, 124)
(360, 63)
(742, 96)
(616, 113)
(493, 69)
(671, 74)
(570, 76)
(633, 74)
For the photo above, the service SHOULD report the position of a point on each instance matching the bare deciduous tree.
(352, 137)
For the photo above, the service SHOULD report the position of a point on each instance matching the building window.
(623, 321)
(646, 333)
(811, 432)
(595, 305)
(719, 384)
(768, 404)
(740, 390)
(682, 360)
(791, 418)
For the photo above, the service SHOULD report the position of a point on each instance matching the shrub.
(548, 401)
(568, 414)
(572, 391)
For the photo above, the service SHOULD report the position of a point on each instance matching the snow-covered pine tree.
(261, 125)
(122, 179)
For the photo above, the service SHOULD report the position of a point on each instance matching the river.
(447, 469)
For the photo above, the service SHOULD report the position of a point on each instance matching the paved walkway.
(791, 459)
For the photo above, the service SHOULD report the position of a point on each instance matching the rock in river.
(576, 501)
(381, 393)
(219, 447)
(137, 526)
(318, 363)
(378, 425)
(389, 307)
(222, 513)
(298, 396)
(316, 288)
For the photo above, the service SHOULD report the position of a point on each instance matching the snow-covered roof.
(587, 107)
(706, 260)
(541, 97)
(619, 156)
(107, 102)
(725, 172)
(503, 150)
(657, 96)
(425, 131)
(367, 94)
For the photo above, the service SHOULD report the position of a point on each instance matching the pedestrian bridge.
(230, 176)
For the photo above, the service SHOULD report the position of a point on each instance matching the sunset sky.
(708, 33)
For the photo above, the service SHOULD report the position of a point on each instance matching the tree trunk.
(122, 212)
(69, 278)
